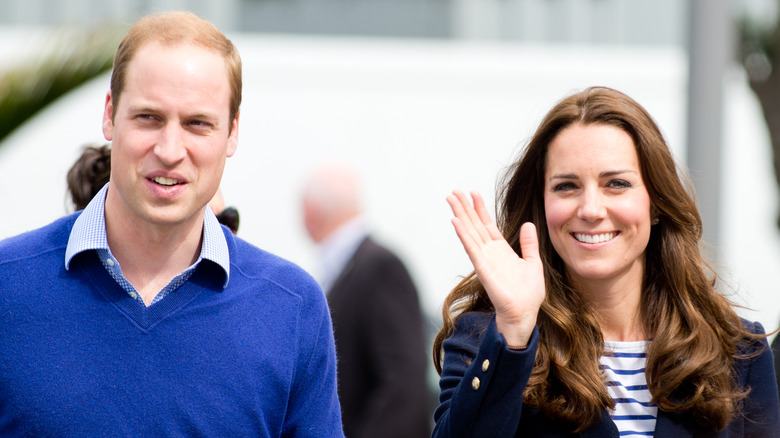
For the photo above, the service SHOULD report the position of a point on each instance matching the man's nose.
(170, 146)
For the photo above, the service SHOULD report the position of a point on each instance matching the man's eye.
(200, 124)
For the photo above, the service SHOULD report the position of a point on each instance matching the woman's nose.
(591, 206)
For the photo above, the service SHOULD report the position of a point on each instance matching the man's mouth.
(167, 182)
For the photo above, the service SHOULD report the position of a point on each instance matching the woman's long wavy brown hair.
(695, 331)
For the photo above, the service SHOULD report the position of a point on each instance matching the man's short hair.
(173, 28)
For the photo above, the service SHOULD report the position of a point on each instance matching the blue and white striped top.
(623, 365)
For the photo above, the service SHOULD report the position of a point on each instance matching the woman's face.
(597, 207)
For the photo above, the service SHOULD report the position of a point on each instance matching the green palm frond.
(71, 58)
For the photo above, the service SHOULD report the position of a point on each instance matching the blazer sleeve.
(482, 380)
(762, 408)
(776, 354)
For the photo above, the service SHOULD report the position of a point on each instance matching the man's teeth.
(163, 181)
(594, 238)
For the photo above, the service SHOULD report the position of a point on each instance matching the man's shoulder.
(370, 248)
(374, 259)
(49, 238)
(252, 262)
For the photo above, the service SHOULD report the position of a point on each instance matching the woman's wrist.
(516, 334)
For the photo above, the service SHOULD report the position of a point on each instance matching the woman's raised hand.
(515, 285)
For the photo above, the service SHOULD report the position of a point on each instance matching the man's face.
(170, 135)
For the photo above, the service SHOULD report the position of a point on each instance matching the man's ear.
(233, 137)
(108, 118)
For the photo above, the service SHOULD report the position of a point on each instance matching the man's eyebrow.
(212, 117)
(142, 109)
(203, 115)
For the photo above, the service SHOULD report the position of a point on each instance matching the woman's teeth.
(594, 238)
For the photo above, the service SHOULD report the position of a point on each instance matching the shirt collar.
(338, 248)
(89, 233)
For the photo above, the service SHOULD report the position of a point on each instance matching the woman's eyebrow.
(609, 173)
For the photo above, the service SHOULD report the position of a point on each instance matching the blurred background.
(423, 96)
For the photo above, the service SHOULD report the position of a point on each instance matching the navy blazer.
(482, 384)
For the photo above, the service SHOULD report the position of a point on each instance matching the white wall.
(420, 118)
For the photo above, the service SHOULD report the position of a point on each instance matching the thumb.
(529, 242)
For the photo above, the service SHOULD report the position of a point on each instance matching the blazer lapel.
(605, 428)
(669, 425)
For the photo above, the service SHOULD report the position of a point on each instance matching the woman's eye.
(564, 186)
(619, 184)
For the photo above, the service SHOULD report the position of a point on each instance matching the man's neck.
(152, 255)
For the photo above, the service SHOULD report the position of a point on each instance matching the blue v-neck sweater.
(80, 357)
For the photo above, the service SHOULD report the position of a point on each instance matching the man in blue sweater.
(141, 315)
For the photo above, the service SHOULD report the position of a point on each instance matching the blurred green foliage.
(69, 59)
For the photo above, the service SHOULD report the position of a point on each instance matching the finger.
(466, 239)
(529, 242)
(465, 212)
(479, 207)
(490, 226)
(456, 201)
(476, 220)
(469, 239)
(462, 223)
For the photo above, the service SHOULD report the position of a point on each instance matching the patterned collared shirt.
(89, 233)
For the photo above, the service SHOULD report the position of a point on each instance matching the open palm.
(515, 285)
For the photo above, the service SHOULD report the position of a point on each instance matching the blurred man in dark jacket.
(380, 342)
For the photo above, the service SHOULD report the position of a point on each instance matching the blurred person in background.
(91, 171)
(591, 310)
(377, 321)
(227, 216)
(142, 316)
(88, 174)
